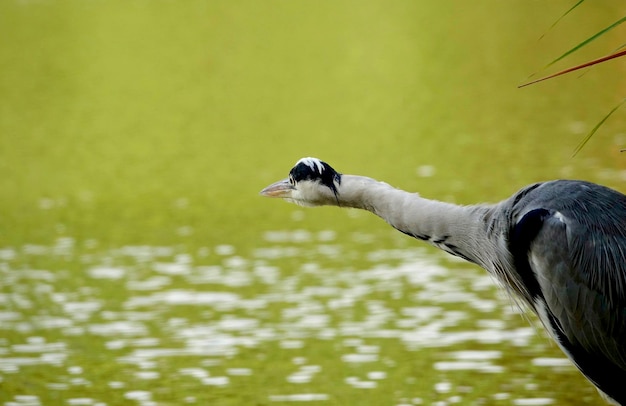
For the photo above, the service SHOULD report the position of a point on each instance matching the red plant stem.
(584, 65)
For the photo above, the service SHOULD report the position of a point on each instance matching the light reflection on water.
(174, 306)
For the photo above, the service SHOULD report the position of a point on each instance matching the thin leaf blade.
(560, 18)
(593, 131)
(577, 67)
(587, 41)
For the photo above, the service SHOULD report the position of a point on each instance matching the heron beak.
(281, 189)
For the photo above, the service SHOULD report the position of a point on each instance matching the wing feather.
(577, 258)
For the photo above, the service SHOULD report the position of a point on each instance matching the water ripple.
(219, 319)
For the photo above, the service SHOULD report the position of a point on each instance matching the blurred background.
(139, 265)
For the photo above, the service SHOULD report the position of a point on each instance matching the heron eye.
(291, 181)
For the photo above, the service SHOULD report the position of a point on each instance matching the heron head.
(311, 182)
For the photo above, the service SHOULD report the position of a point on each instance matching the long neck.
(460, 230)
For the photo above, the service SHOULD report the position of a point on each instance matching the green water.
(138, 265)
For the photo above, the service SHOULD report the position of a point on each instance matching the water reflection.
(154, 313)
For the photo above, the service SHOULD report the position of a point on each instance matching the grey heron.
(557, 246)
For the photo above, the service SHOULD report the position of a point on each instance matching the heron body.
(558, 246)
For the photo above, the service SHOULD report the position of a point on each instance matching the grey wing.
(581, 300)
(568, 245)
(567, 265)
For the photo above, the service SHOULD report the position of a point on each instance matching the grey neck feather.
(464, 231)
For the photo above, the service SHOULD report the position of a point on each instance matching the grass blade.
(574, 68)
(585, 42)
(560, 18)
(593, 131)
